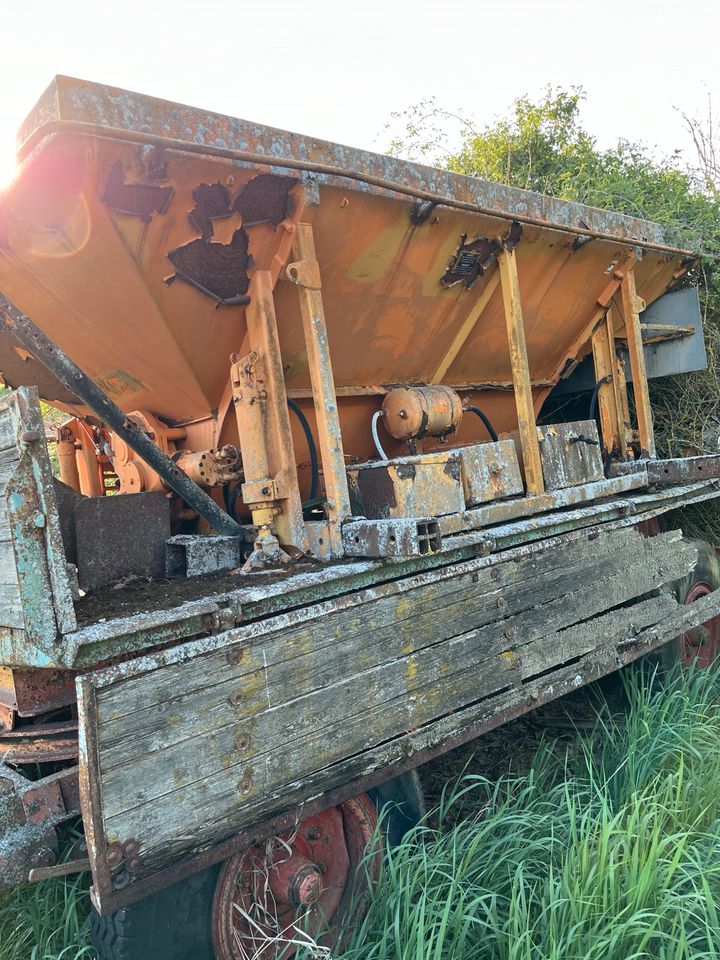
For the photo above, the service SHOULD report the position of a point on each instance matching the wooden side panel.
(189, 754)
(36, 605)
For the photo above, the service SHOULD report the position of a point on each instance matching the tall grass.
(46, 921)
(609, 853)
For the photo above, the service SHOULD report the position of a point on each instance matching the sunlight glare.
(7, 161)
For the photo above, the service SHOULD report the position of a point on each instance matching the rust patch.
(264, 199)
(217, 269)
(471, 260)
(135, 199)
(212, 202)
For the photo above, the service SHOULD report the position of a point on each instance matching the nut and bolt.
(114, 855)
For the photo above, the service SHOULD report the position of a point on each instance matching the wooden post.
(631, 313)
(305, 273)
(520, 373)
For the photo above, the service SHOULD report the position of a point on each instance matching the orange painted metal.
(99, 229)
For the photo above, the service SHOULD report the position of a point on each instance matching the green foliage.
(607, 854)
(46, 921)
(542, 145)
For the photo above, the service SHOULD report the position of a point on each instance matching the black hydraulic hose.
(314, 469)
(30, 336)
(488, 426)
(593, 399)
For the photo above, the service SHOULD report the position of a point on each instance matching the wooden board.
(187, 750)
(35, 592)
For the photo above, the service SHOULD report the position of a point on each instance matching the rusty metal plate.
(391, 538)
(668, 472)
(428, 485)
(490, 471)
(34, 691)
(121, 536)
(570, 454)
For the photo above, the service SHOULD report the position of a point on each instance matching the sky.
(338, 70)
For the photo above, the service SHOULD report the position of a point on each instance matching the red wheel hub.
(293, 889)
(701, 645)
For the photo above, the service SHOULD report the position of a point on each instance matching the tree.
(542, 145)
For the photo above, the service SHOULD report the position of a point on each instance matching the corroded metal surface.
(29, 812)
(382, 261)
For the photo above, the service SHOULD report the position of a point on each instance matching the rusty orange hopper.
(312, 528)
(254, 300)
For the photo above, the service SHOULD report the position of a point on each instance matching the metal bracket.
(305, 273)
(391, 538)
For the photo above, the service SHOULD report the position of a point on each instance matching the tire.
(702, 645)
(173, 924)
(176, 923)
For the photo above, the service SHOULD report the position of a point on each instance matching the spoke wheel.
(701, 645)
(295, 889)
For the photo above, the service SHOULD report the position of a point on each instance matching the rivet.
(242, 742)
(510, 633)
(235, 698)
(495, 574)
(502, 603)
(131, 847)
(245, 785)
(134, 864)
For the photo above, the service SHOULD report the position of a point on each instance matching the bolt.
(30, 436)
(114, 855)
(502, 603)
(234, 656)
(242, 742)
(120, 880)
(134, 864)
(245, 785)
(235, 698)
(495, 575)
(131, 847)
(313, 834)
(510, 633)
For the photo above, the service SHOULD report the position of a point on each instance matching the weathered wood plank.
(326, 706)
(291, 682)
(8, 566)
(146, 821)
(397, 606)
(11, 610)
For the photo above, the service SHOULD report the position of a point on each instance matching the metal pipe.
(289, 163)
(373, 426)
(72, 377)
(485, 419)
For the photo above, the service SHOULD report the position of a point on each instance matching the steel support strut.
(82, 386)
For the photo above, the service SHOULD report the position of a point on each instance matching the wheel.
(701, 645)
(292, 887)
(271, 898)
